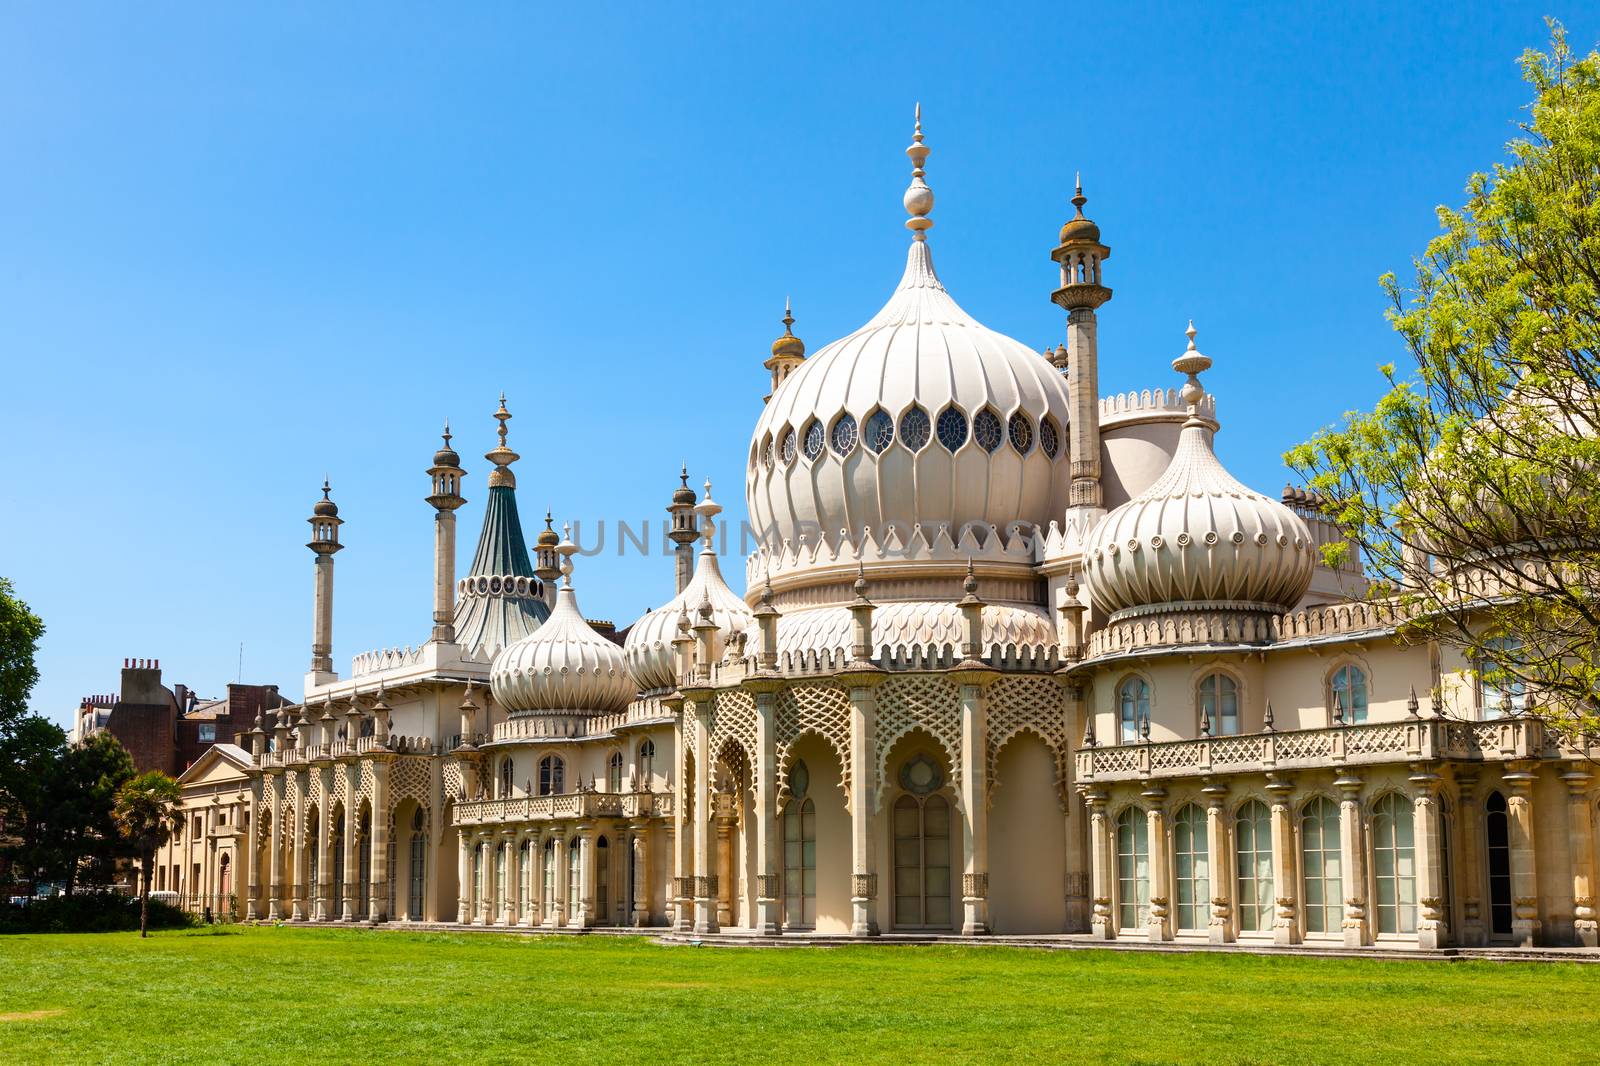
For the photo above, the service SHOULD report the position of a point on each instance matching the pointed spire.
(502, 456)
(1338, 708)
(918, 198)
(1192, 363)
(1267, 725)
(1412, 704)
(1078, 199)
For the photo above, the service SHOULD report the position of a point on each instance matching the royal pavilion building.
(1012, 657)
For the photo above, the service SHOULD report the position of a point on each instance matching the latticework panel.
(1029, 705)
(453, 786)
(364, 789)
(919, 701)
(815, 709)
(411, 779)
(735, 723)
(341, 788)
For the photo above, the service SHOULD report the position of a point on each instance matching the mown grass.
(304, 995)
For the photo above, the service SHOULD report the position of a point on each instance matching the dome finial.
(447, 431)
(1192, 363)
(1078, 199)
(918, 198)
(501, 456)
(567, 549)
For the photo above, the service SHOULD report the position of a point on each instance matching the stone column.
(1352, 857)
(378, 907)
(727, 871)
(1218, 867)
(974, 802)
(249, 867)
(583, 915)
(705, 880)
(1433, 926)
(511, 891)
(533, 905)
(1159, 923)
(1469, 819)
(298, 864)
(463, 876)
(1580, 826)
(863, 805)
(1285, 881)
(352, 827)
(765, 810)
(275, 853)
(323, 910)
(1524, 871)
(639, 844)
(558, 911)
(1102, 871)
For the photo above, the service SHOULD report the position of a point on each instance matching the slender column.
(1352, 857)
(250, 874)
(705, 883)
(463, 876)
(1469, 819)
(378, 908)
(1220, 926)
(583, 906)
(322, 617)
(511, 891)
(1285, 882)
(558, 912)
(1159, 924)
(974, 811)
(863, 804)
(298, 863)
(1580, 824)
(275, 853)
(352, 824)
(1076, 878)
(533, 904)
(639, 843)
(727, 874)
(766, 815)
(1433, 926)
(683, 832)
(323, 910)
(444, 576)
(1101, 870)
(1524, 872)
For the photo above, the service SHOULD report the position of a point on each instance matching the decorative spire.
(1078, 199)
(1267, 725)
(918, 198)
(1192, 363)
(708, 509)
(1413, 707)
(567, 550)
(501, 456)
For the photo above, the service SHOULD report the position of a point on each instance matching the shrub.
(97, 912)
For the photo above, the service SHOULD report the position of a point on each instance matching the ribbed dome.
(923, 415)
(564, 667)
(648, 646)
(1197, 539)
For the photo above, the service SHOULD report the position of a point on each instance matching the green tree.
(30, 757)
(1472, 490)
(80, 806)
(147, 815)
(20, 630)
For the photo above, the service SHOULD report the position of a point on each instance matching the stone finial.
(567, 549)
(502, 456)
(918, 198)
(1412, 704)
(1192, 363)
(1205, 720)
(1338, 708)
(1267, 725)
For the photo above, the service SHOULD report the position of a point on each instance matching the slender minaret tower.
(325, 523)
(788, 352)
(682, 532)
(446, 473)
(546, 558)
(1080, 254)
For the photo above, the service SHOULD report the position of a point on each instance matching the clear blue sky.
(242, 248)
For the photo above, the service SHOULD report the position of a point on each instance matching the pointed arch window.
(417, 884)
(843, 437)
(1133, 710)
(1219, 704)
(813, 442)
(786, 445)
(799, 852)
(952, 428)
(647, 763)
(1350, 687)
(552, 776)
(879, 431)
(986, 430)
(614, 772)
(1394, 865)
(922, 879)
(1049, 437)
(1192, 865)
(1253, 847)
(1020, 431)
(1500, 691)
(1133, 869)
(1498, 827)
(914, 428)
(1321, 867)
(574, 875)
(525, 876)
(507, 771)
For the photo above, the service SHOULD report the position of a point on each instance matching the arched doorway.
(225, 882)
(1027, 841)
(1499, 838)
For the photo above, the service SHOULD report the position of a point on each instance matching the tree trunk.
(148, 860)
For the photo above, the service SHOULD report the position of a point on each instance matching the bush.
(96, 912)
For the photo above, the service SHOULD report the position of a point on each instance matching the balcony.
(572, 805)
(1410, 740)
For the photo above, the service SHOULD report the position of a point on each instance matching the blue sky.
(244, 247)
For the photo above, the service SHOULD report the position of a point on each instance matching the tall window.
(313, 831)
(507, 769)
(477, 877)
(1321, 866)
(1191, 862)
(1253, 846)
(647, 763)
(602, 879)
(574, 875)
(1219, 704)
(1394, 865)
(1133, 869)
(1134, 708)
(1500, 692)
(364, 865)
(799, 852)
(501, 885)
(921, 862)
(1499, 833)
(549, 878)
(525, 875)
(552, 776)
(338, 864)
(614, 772)
(1350, 687)
(419, 865)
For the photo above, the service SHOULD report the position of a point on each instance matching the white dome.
(648, 646)
(564, 667)
(1197, 539)
(824, 460)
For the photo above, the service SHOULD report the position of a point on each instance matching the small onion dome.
(788, 346)
(563, 667)
(649, 644)
(683, 494)
(1079, 228)
(548, 537)
(325, 507)
(1197, 539)
(446, 455)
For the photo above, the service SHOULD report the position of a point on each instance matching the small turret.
(788, 352)
(325, 523)
(446, 473)
(1080, 255)
(682, 531)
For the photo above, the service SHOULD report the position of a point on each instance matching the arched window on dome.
(614, 772)
(786, 445)
(1020, 431)
(878, 432)
(647, 763)
(1219, 704)
(813, 441)
(1133, 710)
(1049, 437)
(915, 428)
(843, 436)
(766, 452)
(1252, 828)
(552, 776)
(507, 770)
(1133, 869)
(1349, 686)
(986, 430)
(952, 428)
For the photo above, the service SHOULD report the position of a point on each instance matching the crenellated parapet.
(1148, 405)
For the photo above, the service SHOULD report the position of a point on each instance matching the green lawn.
(304, 995)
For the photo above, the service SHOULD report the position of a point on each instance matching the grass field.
(304, 995)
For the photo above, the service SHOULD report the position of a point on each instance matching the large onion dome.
(648, 647)
(923, 419)
(564, 667)
(1197, 540)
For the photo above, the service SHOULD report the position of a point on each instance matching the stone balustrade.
(566, 806)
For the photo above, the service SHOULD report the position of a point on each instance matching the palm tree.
(147, 813)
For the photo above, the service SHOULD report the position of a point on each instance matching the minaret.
(446, 473)
(325, 523)
(682, 532)
(1080, 254)
(547, 558)
(788, 352)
